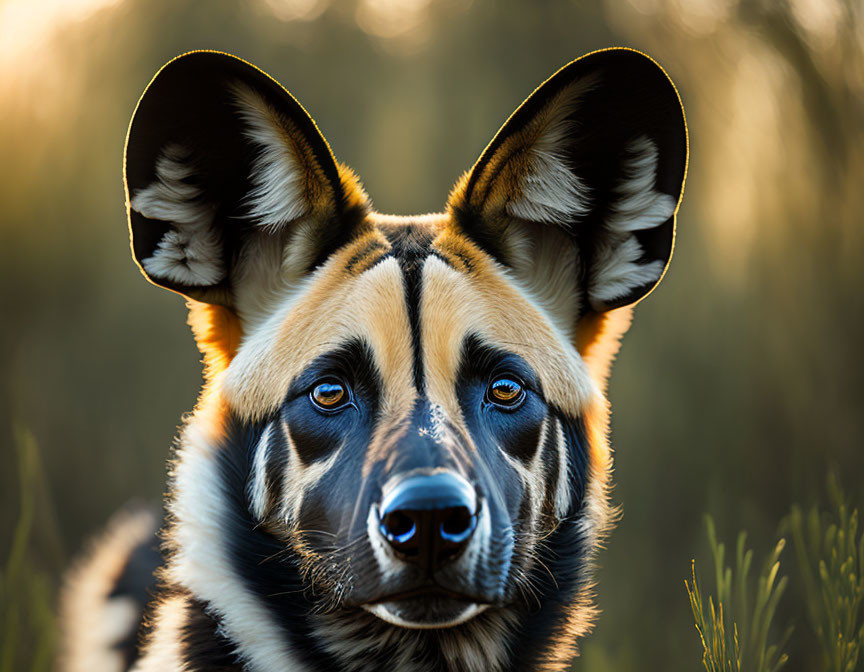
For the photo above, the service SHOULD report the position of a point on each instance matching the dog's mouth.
(427, 592)
(427, 607)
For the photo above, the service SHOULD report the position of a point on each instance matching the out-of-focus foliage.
(739, 381)
(735, 636)
(830, 552)
(27, 627)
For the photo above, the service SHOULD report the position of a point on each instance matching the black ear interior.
(190, 103)
(629, 97)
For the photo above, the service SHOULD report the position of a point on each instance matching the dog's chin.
(426, 613)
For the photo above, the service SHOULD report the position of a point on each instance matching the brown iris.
(329, 395)
(506, 391)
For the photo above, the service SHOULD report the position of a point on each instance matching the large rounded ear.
(217, 154)
(577, 193)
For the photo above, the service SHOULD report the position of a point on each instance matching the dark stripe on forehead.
(367, 255)
(411, 246)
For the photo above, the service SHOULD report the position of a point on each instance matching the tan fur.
(487, 302)
(528, 161)
(335, 307)
(163, 650)
(315, 189)
(598, 339)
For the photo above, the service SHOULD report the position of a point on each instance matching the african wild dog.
(399, 459)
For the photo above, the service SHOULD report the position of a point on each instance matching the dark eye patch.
(316, 434)
(515, 427)
(351, 361)
(479, 360)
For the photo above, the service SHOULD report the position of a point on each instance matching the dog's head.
(403, 415)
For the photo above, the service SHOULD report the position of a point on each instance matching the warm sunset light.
(734, 400)
(27, 26)
(297, 10)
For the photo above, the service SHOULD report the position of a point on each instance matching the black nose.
(429, 519)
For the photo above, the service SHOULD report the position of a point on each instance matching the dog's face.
(407, 407)
(427, 415)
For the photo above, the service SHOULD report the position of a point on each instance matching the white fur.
(551, 191)
(540, 468)
(387, 565)
(640, 205)
(191, 252)
(618, 271)
(258, 494)
(382, 611)
(300, 477)
(616, 267)
(277, 196)
(547, 267)
(200, 563)
(562, 492)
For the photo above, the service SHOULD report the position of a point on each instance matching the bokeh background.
(738, 388)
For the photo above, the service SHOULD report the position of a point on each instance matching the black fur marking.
(364, 253)
(266, 565)
(138, 582)
(577, 457)
(465, 259)
(564, 554)
(411, 246)
(517, 431)
(204, 647)
(316, 434)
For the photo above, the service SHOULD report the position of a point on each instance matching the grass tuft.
(830, 552)
(735, 634)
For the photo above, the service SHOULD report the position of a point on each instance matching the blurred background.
(737, 390)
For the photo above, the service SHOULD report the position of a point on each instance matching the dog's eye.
(330, 395)
(506, 391)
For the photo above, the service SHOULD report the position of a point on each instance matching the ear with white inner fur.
(577, 192)
(222, 164)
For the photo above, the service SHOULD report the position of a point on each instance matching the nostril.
(398, 527)
(458, 524)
